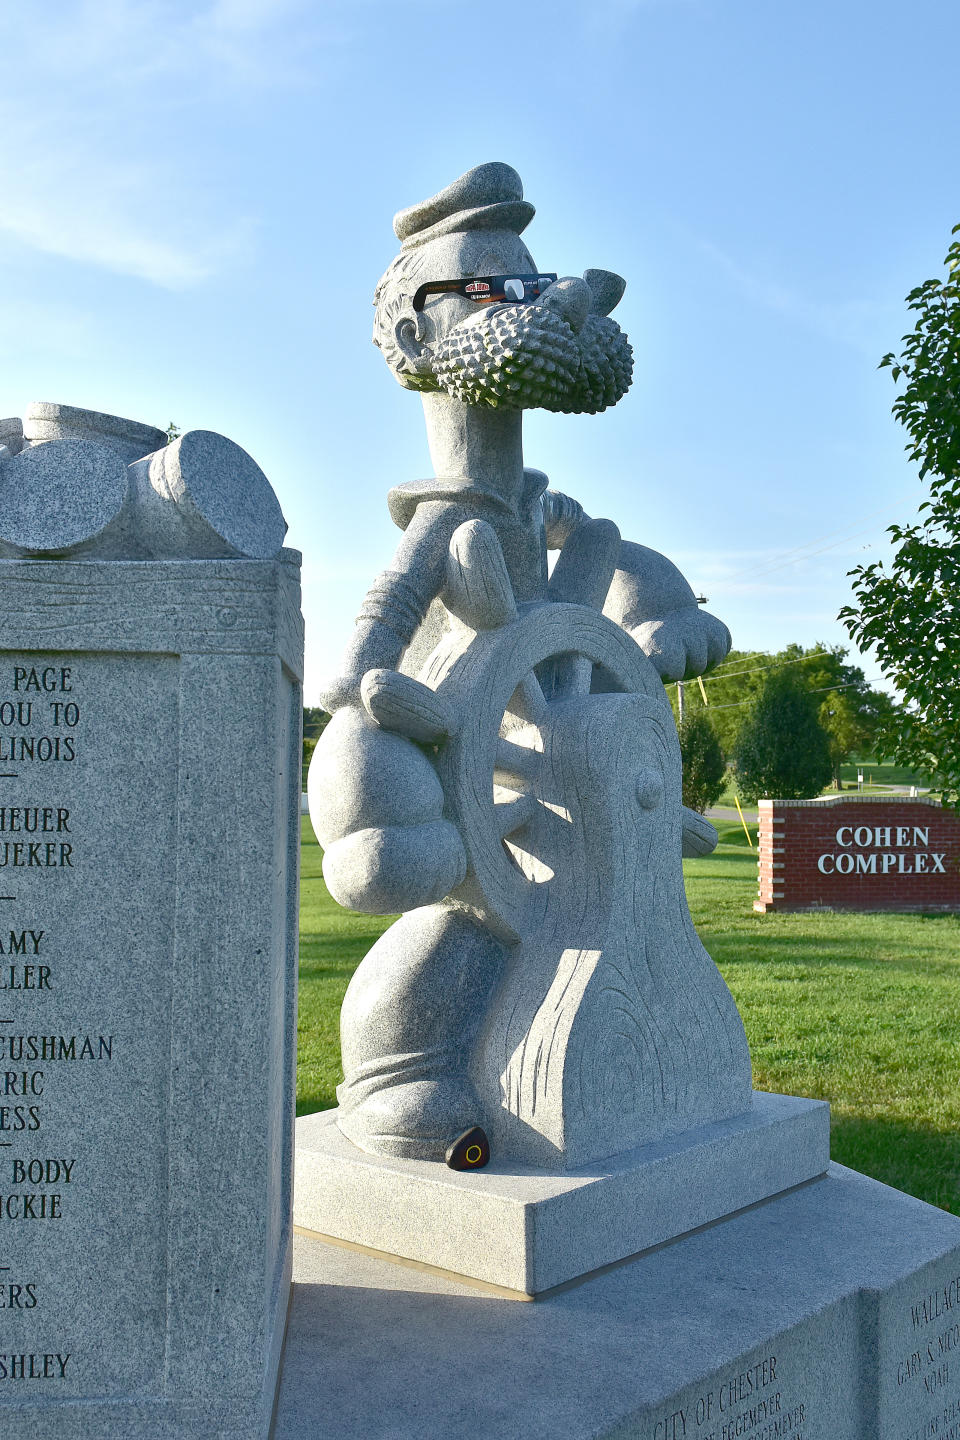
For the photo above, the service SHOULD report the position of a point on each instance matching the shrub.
(703, 764)
(782, 750)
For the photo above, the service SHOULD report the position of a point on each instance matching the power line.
(717, 668)
(820, 690)
(785, 556)
(793, 559)
(773, 665)
(813, 655)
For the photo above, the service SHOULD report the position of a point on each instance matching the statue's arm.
(653, 602)
(394, 606)
(650, 598)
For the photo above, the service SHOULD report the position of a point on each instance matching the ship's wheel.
(486, 704)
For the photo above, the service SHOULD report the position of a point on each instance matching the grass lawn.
(881, 772)
(860, 1010)
(332, 944)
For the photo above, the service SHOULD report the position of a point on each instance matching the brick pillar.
(771, 856)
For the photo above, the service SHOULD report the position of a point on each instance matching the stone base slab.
(830, 1313)
(526, 1230)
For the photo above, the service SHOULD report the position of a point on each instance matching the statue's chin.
(570, 404)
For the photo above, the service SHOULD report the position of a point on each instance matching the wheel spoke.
(512, 815)
(515, 765)
(567, 676)
(528, 701)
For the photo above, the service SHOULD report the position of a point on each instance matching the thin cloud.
(71, 198)
(112, 45)
(87, 175)
(851, 322)
(65, 224)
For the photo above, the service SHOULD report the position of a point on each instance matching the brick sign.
(858, 852)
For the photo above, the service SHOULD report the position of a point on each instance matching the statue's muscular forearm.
(649, 598)
(396, 603)
(655, 584)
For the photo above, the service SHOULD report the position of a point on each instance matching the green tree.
(845, 734)
(850, 709)
(782, 750)
(853, 720)
(703, 764)
(909, 611)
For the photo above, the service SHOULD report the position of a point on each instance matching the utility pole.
(679, 702)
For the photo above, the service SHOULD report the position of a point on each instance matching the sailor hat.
(488, 197)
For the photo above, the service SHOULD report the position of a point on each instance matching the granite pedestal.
(829, 1313)
(527, 1230)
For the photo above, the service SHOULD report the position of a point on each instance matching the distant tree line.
(784, 722)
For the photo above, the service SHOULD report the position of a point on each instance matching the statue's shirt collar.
(402, 500)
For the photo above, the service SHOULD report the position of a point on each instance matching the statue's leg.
(408, 1024)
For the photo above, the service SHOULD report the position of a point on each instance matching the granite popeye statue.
(502, 762)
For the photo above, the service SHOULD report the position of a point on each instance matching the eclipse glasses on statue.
(486, 289)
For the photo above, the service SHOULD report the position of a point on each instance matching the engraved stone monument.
(546, 1080)
(150, 664)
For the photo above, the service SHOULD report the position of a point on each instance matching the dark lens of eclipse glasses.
(487, 289)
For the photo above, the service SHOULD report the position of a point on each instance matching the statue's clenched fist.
(377, 804)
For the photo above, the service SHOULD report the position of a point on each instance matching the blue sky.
(197, 204)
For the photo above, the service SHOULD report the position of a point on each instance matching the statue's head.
(518, 337)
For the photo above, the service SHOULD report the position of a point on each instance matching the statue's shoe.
(416, 1120)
